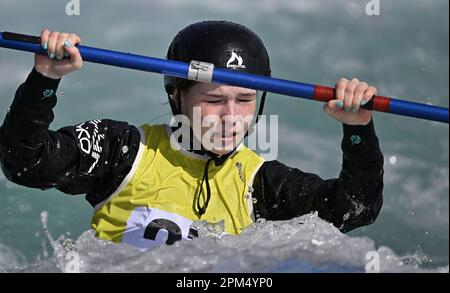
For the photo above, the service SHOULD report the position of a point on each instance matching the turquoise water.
(404, 52)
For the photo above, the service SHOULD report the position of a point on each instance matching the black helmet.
(225, 44)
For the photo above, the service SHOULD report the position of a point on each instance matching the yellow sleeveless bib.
(155, 202)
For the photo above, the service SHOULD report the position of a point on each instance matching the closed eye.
(214, 98)
(213, 101)
(246, 100)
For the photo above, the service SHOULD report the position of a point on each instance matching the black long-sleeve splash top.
(34, 156)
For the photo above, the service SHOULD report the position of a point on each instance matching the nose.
(229, 108)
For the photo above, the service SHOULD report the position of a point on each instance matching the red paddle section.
(324, 94)
(381, 103)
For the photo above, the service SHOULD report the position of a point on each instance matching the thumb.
(333, 106)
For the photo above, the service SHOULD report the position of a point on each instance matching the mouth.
(225, 139)
(228, 135)
(225, 134)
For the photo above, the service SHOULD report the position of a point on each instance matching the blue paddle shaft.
(230, 77)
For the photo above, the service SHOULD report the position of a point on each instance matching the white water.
(304, 244)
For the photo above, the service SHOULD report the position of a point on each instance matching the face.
(223, 112)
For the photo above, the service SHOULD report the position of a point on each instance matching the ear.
(175, 101)
(174, 96)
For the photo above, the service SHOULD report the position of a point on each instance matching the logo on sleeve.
(90, 140)
(355, 139)
(47, 93)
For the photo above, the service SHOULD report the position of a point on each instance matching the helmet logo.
(235, 58)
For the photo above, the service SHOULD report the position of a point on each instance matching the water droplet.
(125, 149)
(25, 169)
(392, 160)
(19, 174)
(106, 162)
(44, 215)
(61, 93)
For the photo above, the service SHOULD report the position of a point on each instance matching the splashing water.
(303, 244)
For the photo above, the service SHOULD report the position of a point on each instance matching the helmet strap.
(261, 106)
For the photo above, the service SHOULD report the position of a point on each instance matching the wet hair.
(183, 86)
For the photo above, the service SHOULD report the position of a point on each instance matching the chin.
(224, 146)
(220, 152)
(223, 151)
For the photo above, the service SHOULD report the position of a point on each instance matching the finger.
(75, 56)
(45, 34)
(60, 45)
(369, 94)
(334, 105)
(72, 40)
(349, 94)
(52, 44)
(358, 97)
(327, 108)
(340, 88)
